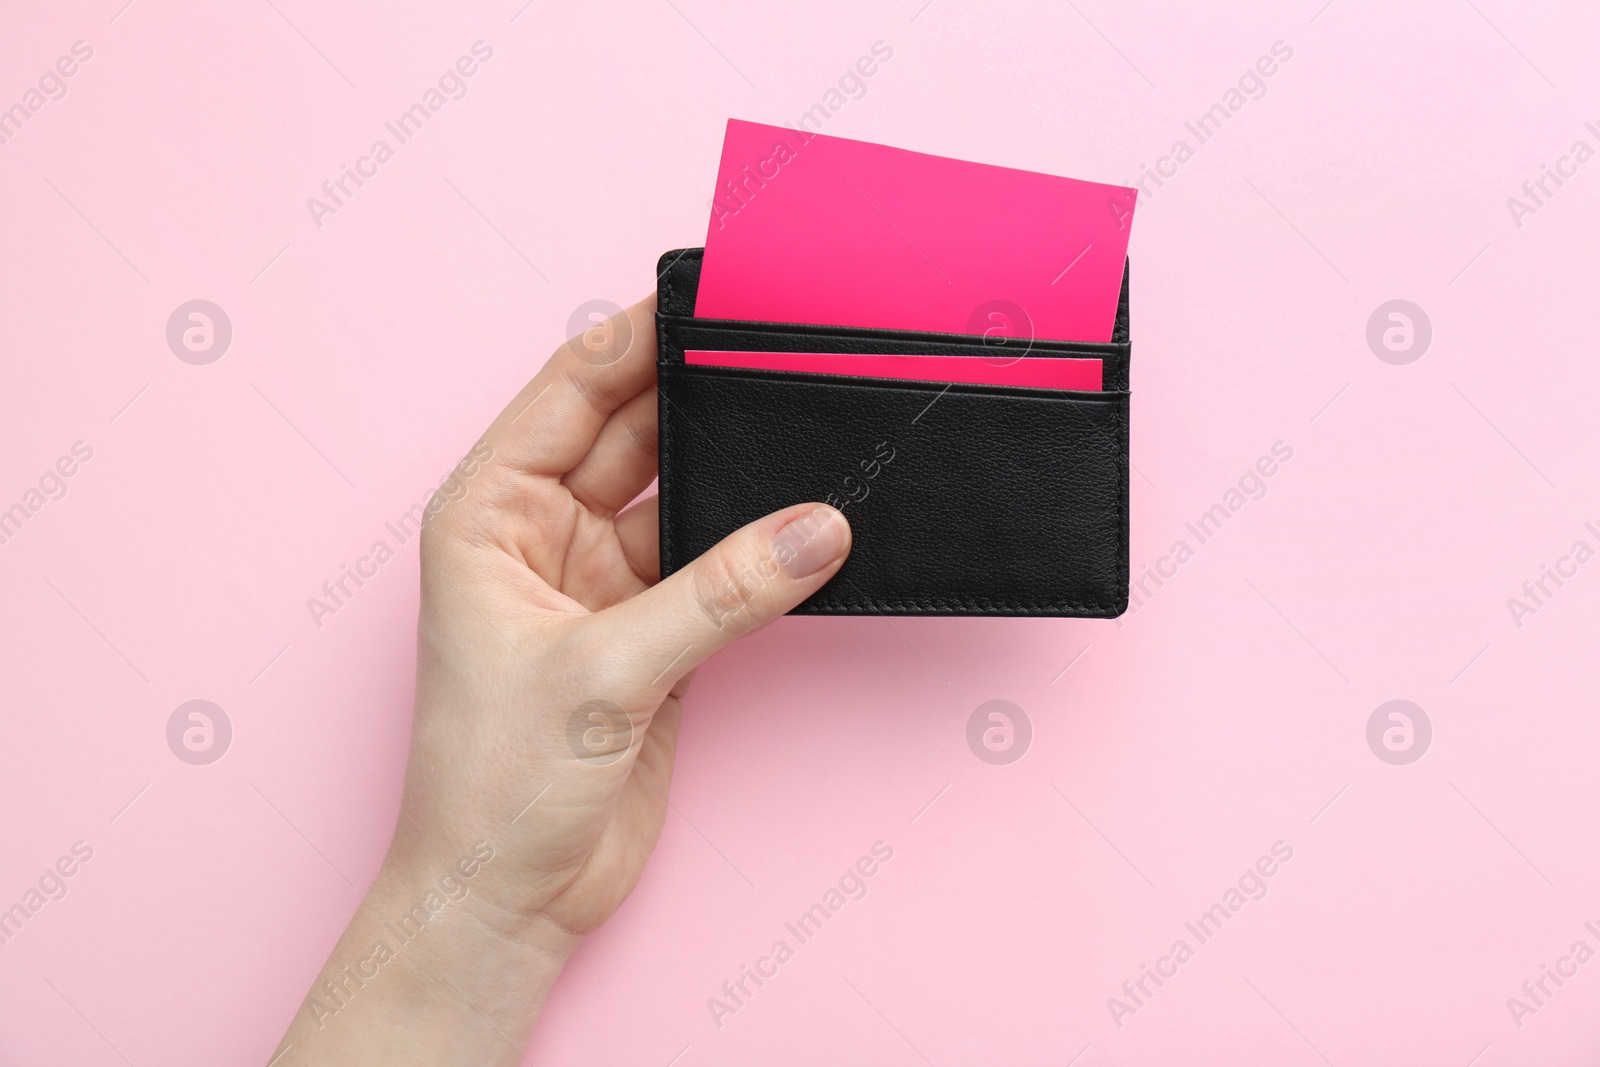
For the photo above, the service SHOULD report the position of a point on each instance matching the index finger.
(550, 425)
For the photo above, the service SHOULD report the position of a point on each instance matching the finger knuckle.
(644, 435)
(729, 591)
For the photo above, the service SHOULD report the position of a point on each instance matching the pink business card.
(807, 228)
(1033, 372)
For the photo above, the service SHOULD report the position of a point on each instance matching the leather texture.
(963, 499)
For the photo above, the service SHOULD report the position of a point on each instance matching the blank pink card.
(1035, 373)
(807, 228)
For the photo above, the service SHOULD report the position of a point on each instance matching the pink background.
(1228, 714)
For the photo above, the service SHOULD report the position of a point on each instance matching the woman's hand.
(551, 666)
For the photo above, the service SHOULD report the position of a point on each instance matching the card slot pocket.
(964, 499)
(848, 380)
(678, 286)
(677, 335)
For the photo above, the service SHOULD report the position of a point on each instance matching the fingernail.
(810, 542)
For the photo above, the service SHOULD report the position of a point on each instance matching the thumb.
(746, 580)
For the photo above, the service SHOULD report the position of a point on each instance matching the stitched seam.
(965, 605)
(1124, 447)
(663, 466)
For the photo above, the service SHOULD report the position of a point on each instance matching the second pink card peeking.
(1033, 373)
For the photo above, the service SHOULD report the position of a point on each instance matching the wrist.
(426, 958)
(465, 900)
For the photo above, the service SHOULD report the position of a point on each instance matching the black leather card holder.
(962, 499)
